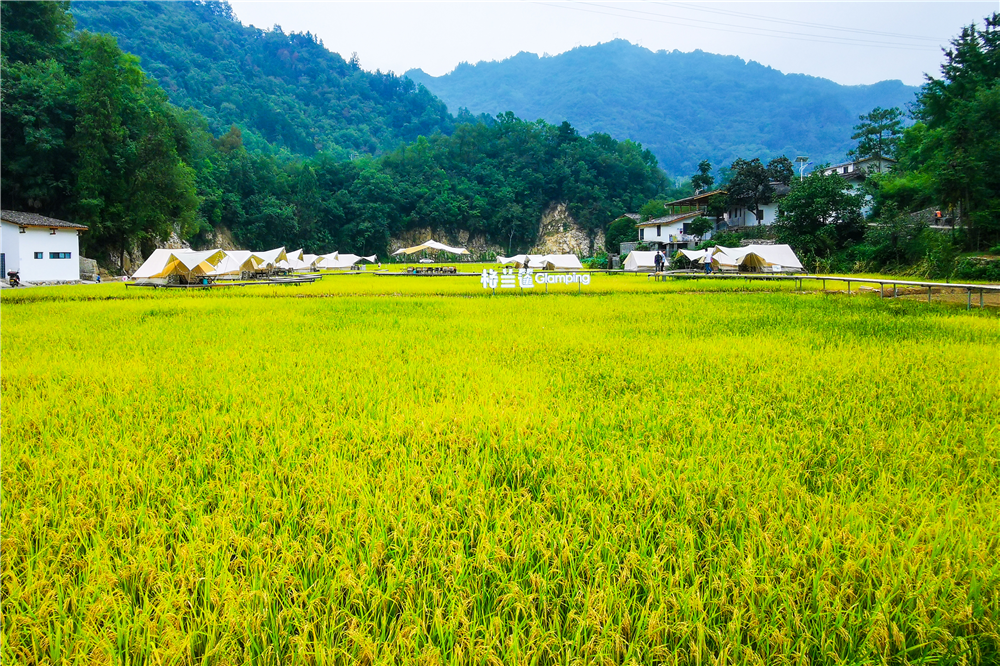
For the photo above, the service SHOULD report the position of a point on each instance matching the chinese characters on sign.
(527, 278)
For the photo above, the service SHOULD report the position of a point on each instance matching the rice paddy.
(395, 470)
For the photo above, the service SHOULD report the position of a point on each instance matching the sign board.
(527, 278)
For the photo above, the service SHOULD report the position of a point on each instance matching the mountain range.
(284, 91)
(684, 107)
(290, 92)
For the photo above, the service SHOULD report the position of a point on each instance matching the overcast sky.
(848, 42)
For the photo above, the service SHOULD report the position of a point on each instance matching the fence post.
(928, 294)
(968, 300)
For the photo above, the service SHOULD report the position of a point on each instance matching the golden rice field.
(407, 471)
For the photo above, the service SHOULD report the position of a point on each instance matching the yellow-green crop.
(651, 473)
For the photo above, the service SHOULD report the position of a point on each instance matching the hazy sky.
(848, 42)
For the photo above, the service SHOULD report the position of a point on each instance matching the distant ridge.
(684, 107)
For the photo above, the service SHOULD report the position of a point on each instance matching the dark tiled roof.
(694, 198)
(35, 220)
(670, 219)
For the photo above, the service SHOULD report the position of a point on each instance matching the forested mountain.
(286, 90)
(684, 107)
(87, 135)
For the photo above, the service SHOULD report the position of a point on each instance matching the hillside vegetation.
(684, 107)
(286, 90)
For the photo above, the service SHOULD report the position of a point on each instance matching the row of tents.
(749, 259)
(545, 262)
(191, 266)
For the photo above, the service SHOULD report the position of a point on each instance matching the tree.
(820, 216)
(620, 231)
(751, 183)
(652, 209)
(131, 184)
(703, 180)
(878, 134)
(699, 226)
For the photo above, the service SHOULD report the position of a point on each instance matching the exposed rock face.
(476, 245)
(558, 233)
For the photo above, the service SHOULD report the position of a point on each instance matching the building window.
(57, 255)
(38, 255)
(658, 230)
(641, 233)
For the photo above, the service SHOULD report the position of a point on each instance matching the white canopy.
(521, 260)
(640, 261)
(338, 260)
(433, 246)
(562, 262)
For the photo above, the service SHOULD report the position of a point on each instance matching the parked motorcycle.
(13, 279)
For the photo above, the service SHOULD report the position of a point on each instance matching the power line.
(743, 30)
(936, 40)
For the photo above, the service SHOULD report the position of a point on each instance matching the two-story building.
(740, 217)
(671, 232)
(855, 173)
(41, 249)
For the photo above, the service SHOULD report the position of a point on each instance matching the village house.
(41, 249)
(855, 173)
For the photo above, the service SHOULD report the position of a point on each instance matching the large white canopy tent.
(431, 245)
(336, 260)
(524, 260)
(758, 258)
(184, 263)
(562, 262)
(640, 261)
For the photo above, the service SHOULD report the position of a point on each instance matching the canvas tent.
(271, 258)
(524, 260)
(752, 258)
(336, 260)
(640, 261)
(237, 262)
(185, 265)
(561, 262)
(432, 246)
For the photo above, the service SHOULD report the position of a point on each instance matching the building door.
(3, 264)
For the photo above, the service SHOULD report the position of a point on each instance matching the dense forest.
(87, 135)
(283, 90)
(684, 107)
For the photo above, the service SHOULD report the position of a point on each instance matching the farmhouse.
(741, 216)
(41, 249)
(855, 173)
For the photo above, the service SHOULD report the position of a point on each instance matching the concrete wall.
(39, 239)
(9, 247)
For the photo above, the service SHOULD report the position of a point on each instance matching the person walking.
(658, 261)
(708, 264)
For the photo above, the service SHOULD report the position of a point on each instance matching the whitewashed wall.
(39, 239)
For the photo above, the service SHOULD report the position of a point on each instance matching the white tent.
(767, 258)
(561, 262)
(272, 257)
(237, 262)
(520, 260)
(336, 260)
(759, 258)
(433, 246)
(640, 261)
(185, 263)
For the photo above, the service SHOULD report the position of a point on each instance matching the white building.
(742, 216)
(855, 173)
(668, 232)
(40, 249)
